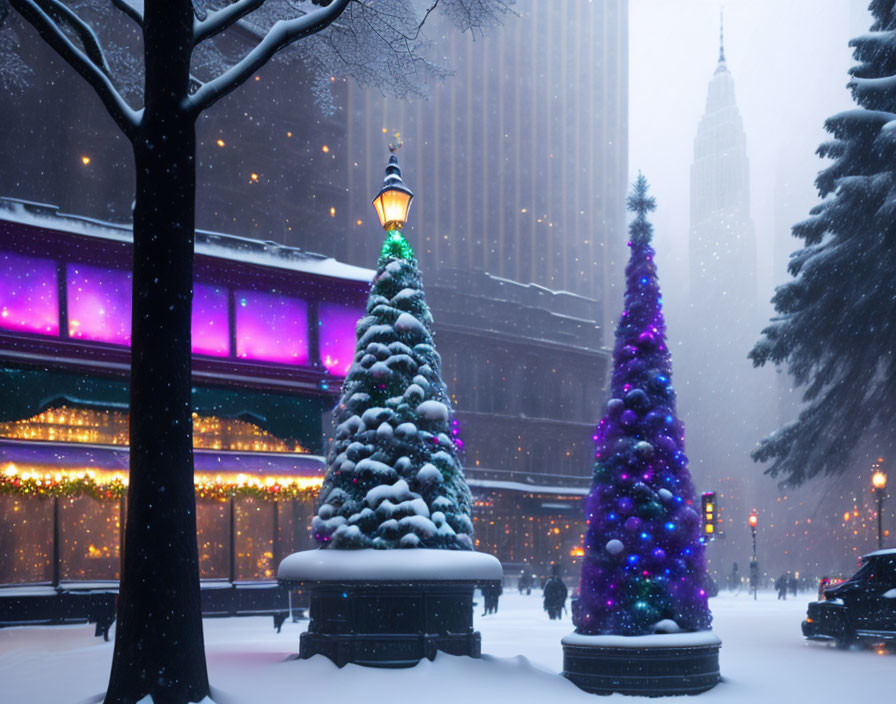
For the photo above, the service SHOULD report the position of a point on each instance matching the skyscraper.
(722, 237)
(519, 160)
(721, 396)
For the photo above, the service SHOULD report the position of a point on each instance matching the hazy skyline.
(789, 61)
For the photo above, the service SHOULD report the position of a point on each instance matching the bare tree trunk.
(159, 648)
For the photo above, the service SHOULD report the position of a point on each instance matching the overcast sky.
(789, 60)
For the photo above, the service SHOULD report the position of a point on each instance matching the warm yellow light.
(846, 516)
(753, 520)
(392, 208)
(879, 480)
(577, 552)
(289, 134)
(254, 177)
(710, 527)
(220, 142)
(709, 508)
(325, 149)
(332, 212)
(85, 160)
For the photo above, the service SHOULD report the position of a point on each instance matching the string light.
(111, 486)
(110, 427)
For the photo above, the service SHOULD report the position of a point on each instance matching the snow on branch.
(283, 33)
(60, 13)
(46, 24)
(219, 20)
(131, 9)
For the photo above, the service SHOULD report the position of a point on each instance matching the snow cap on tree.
(643, 570)
(393, 475)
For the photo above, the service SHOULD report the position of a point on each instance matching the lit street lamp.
(879, 487)
(753, 520)
(393, 201)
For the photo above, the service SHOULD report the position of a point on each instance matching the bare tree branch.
(125, 117)
(283, 33)
(130, 11)
(61, 13)
(219, 20)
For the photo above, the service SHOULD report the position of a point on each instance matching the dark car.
(861, 609)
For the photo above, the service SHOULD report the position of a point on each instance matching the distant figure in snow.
(781, 586)
(793, 584)
(734, 579)
(555, 594)
(525, 582)
(490, 593)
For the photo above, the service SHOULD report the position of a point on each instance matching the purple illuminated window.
(337, 336)
(99, 304)
(29, 294)
(210, 332)
(271, 328)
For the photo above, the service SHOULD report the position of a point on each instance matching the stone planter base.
(390, 625)
(389, 608)
(682, 666)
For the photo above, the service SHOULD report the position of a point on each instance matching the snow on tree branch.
(131, 10)
(283, 33)
(125, 117)
(61, 14)
(219, 20)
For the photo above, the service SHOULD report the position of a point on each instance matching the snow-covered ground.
(764, 660)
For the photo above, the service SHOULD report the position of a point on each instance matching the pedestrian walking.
(555, 593)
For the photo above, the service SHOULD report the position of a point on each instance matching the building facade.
(520, 160)
(526, 368)
(273, 335)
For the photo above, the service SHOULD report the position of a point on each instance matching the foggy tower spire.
(719, 394)
(722, 240)
(722, 41)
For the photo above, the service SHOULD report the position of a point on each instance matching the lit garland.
(110, 427)
(111, 486)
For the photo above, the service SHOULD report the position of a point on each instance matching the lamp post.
(393, 201)
(879, 487)
(753, 521)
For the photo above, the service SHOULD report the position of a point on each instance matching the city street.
(764, 660)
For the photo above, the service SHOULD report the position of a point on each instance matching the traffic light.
(709, 514)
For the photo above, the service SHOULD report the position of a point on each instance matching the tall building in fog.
(519, 160)
(722, 238)
(727, 406)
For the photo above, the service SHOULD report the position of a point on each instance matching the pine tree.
(644, 563)
(393, 475)
(835, 327)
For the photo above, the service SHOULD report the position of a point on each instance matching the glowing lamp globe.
(879, 480)
(753, 520)
(393, 201)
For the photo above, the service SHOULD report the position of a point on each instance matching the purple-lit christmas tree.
(644, 566)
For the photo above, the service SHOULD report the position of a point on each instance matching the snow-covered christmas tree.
(394, 479)
(644, 569)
